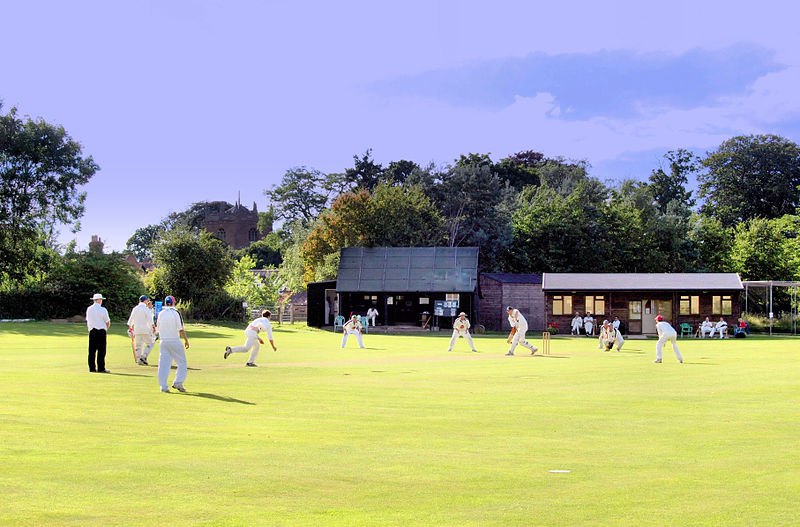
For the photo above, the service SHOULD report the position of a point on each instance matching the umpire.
(98, 323)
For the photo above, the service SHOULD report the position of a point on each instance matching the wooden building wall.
(496, 296)
(617, 304)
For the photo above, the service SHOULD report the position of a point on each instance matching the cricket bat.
(511, 335)
(133, 345)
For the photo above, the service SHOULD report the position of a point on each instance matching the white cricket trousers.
(250, 343)
(144, 344)
(171, 350)
(358, 336)
(519, 338)
(466, 335)
(673, 338)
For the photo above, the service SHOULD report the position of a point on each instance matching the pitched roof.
(640, 281)
(408, 269)
(510, 278)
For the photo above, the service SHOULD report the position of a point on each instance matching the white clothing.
(372, 313)
(141, 323)
(97, 317)
(577, 324)
(721, 327)
(461, 329)
(707, 327)
(141, 320)
(518, 321)
(667, 333)
(352, 327)
(171, 349)
(169, 323)
(615, 324)
(588, 324)
(251, 342)
(611, 336)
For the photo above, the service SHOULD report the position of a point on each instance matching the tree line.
(527, 213)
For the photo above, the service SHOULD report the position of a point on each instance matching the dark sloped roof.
(510, 278)
(408, 269)
(640, 281)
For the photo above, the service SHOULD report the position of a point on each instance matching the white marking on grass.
(560, 471)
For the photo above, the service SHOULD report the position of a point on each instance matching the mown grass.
(400, 433)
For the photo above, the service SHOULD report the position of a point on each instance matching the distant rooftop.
(640, 281)
(510, 278)
(408, 269)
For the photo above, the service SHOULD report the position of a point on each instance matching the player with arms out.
(461, 329)
(253, 340)
(519, 326)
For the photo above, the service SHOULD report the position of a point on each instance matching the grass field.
(400, 433)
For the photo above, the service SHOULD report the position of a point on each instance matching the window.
(221, 234)
(635, 310)
(424, 300)
(596, 305)
(690, 305)
(451, 296)
(562, 305)
(252, 234)
(721, 305)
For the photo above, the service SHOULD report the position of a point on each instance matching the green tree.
(191, 265)
(366, 173)
(302, 194)
(399, 171)
(760, 250)
(563, 175)
(753, 176)
(41, 168)
(521, 169)
(670, 185)
(265, 253)
(712, 241)
(79, 275)
(142, 241)
(255, 290)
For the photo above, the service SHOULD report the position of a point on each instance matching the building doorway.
(652, 308)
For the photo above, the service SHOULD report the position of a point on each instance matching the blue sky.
(182, 101)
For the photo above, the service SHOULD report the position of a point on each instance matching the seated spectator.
(721, 327)
(706, 328)
(741, 329)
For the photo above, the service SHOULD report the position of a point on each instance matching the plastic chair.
(686, 329)
(364, 323)
(338, 322)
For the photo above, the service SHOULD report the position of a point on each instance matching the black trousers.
(97, 347)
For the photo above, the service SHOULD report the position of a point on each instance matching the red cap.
(659, 318)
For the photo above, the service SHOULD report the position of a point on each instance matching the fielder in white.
(461, 329)
(601, 337)
(252, 338)
(577, 324)
(170, 330)
(706, 328)
(666, 333)
(519, 323)
(353, 327)
(609, 336)
(143, 330)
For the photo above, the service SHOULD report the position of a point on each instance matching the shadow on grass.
(216, 397)
(131, 375)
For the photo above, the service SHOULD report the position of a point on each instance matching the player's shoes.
(227, 352)
(681, 361)
(251, 365)
(473, 349)
(165, 389)
(657, 361)
(534, 350)
(142, 361)
(179, 387)
(510, 353)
